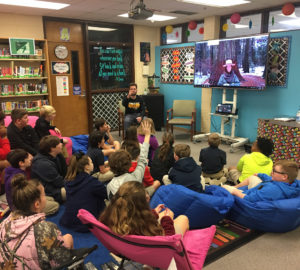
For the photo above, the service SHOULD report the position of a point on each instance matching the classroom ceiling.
(108, 10)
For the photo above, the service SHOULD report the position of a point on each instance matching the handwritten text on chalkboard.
(111, 64)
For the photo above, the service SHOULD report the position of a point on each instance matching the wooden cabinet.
(155, 106)
(24, 79)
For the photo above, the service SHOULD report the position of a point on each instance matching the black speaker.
(155, 106)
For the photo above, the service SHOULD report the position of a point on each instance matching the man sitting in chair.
(134, 107)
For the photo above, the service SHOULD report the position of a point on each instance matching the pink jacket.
(38, 241)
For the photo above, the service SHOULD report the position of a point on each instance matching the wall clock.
(61, 51)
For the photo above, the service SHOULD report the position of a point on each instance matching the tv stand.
(235, 141)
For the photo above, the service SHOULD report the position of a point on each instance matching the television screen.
(232, 63)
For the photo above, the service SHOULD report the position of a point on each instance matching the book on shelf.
(30, 106)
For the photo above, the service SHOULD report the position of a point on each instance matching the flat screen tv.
(232, 63)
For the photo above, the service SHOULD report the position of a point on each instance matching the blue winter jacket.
(187, 173)
(270, 190)
(84, 192)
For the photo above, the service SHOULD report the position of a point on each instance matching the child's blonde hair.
(47, 110)
(130, 213)
(214, 140)
(182, 150)
(151, 123)
(289, 167)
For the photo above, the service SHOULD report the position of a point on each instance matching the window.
(110, 33)
(175, 36)
(195, 35)
(242, 28)
(280, 22)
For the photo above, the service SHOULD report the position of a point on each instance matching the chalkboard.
(111, 67)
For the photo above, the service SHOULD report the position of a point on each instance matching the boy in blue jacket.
(185, 171)
(280, 185)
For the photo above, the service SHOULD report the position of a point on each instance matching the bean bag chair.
(269, 216)
(202, 209)
(80, 143)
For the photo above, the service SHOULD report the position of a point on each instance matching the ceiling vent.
(182, 12)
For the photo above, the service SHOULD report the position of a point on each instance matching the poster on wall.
(62, 85)
(60, 68)
(21, 46)
(177, 65)
(278, 55)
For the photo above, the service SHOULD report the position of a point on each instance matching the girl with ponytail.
(83, 191)
(27, 241)
(163, 159)
(129, 213)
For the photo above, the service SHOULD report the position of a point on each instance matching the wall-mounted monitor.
(232, 63)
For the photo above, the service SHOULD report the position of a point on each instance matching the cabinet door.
(71, 110)
(155, 106)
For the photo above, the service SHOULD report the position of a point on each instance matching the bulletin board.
(177, 65)
(278, 61)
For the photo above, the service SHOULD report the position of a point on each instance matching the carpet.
(83, 240)
(229, 236)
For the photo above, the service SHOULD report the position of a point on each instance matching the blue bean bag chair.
(269, 216)
(202, 209)
(80, 143)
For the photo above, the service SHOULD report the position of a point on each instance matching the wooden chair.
(182, 113)
(121, 116)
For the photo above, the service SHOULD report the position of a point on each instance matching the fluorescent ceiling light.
(34, 4)
(277, 30)
(160, 18)
(294, 22)
(293, 15)
(241, 25)
(155, 17)
(216, 3)
(102, 29)
(172, 41)
(125, 15)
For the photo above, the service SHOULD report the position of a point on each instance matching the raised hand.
(146, 128)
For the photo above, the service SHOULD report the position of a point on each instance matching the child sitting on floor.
(163, 159)
(120, 162)
(212, 161)
(134, 150)
(129, 213)
(20, 160)
(83, 191)
(256, 162)
(130, 136)
(101, 169)
(27, 241)
(153, 141)
(185, 171)
(262, 187)
(102, 126)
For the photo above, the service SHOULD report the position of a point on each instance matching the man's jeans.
(130, 119)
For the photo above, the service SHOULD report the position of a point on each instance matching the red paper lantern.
(235, 18)
(201, 30)
(192, 25)
(288, 9)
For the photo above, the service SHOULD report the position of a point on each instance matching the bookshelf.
(24, 79)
